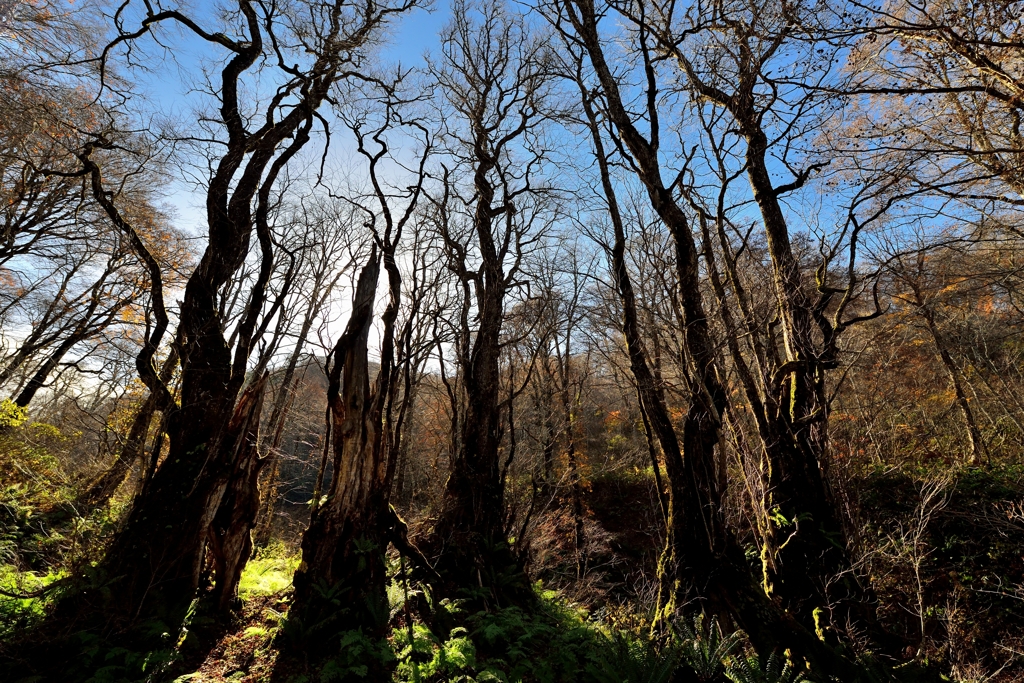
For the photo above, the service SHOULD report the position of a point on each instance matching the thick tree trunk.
(156, 573)
(151, 570)
(341, 581)
(806, 562)
(230, 537)
(469, 539)
(153, 565)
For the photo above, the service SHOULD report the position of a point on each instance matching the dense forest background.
(619, 340)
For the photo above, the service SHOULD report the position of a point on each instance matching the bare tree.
(157, 557)
(702, 558)
(343, 550)
(491, 77)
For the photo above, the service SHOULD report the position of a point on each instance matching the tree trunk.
(341, 583)
(807, 563)
(153, 565)
(978, 451)
(230, 537)
(343, 549)
(703, 565)
(469, 539)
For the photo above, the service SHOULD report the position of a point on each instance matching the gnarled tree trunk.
(341, 581)
(230, 537)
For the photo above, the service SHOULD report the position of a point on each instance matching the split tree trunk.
(230, 537)
(341, 582)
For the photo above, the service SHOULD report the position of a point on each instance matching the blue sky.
(164, 87)
(418, 33)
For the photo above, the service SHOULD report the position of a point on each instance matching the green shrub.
(11, 414)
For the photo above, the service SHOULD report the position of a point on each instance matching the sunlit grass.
(269, 572)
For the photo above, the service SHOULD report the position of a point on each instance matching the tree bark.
(808, 565)
(703, 565)
(343, 549)
(230, 535)
(154, 563)
(805, 558)
(495, 100)
(341, 583)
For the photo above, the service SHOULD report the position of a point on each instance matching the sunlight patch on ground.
(268, 574)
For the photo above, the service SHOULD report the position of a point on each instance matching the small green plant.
(429, 658)
(268, 573)
(704, 648)
(19, 613)
(756, 669)
(628, 658)
(359, 656)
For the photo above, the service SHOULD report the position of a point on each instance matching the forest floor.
(943, 549)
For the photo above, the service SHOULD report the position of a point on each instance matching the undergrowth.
(268, 572)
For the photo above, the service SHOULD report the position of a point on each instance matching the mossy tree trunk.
(703, 565)
(806, 562)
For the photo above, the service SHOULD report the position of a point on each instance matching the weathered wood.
(342, 574)
(230, 535)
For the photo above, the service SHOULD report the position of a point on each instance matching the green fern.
(630, 659)
(704, 648)
(773, 669)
